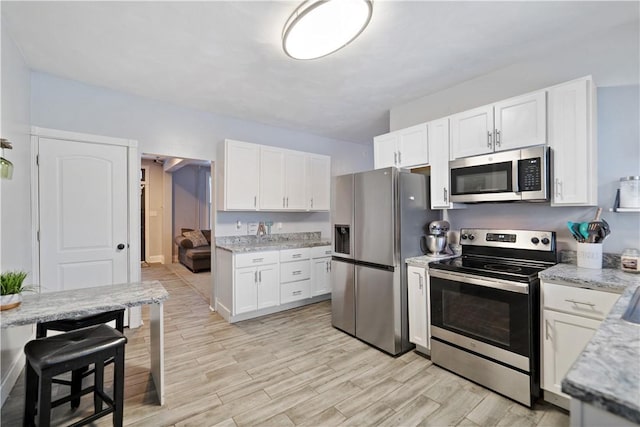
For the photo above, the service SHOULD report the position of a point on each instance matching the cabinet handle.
(257, 260)
(395, 158)
(558, 185)
(312, 203)
(399, 157)
(489, 139)
(572, 301)
(296, 273)
(296, 292)
(260, 276)
(255, 201)
(296, 255)
(287, 202)
(444, 190)
(546, 330)
(283, 202)
(326, 266)
(255, 277)
(497, 138)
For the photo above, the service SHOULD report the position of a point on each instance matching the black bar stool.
(66, 325)
(48, 357)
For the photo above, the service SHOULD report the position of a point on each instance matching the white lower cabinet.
(570, 318)
(418, 298)
(320, 270)
(257, 283)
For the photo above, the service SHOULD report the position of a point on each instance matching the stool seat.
(55, 350)
(66, 325)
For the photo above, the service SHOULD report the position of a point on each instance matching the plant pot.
(8, 302)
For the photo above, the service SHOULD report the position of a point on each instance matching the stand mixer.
(435, 243)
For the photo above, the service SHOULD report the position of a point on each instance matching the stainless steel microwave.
(518, 175)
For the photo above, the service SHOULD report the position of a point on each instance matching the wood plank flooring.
(286, 369)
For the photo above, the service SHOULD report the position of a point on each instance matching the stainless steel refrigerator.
(377, 219)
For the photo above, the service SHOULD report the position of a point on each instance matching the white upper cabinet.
(239, 176)
(318, 170)
(439, 159)
(258, 177)
(472, 132)
(402, 148)
(572, 138)
(513, 123)
(271, 178)
(385, 153)
(520, 121)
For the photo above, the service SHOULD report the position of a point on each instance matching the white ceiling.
(225, 56)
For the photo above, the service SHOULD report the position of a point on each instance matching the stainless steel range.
(485, 309)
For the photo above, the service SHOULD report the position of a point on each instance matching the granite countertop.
(274, 242)
(424, 260)
(48, 306)
(607, 372)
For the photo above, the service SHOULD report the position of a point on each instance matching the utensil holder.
(590, 255)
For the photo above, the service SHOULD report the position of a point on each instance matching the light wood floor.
(291, 368)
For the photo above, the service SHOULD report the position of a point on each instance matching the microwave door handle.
(515, 176)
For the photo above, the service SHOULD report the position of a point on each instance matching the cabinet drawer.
(256, 258)
(294, 254)
(321, 251)
(294, 270)
(583, 302)
(295, 291)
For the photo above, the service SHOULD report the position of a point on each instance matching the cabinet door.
(321, 276)
(521, 121)
(271, 179)
(268, 293)
(564, 336)
(439, 155)
(294, 181)
(472, 132)
(417, 295)
(385, 150)
(242, 175)
(318, 172)
(413, 147)
(245, 296)
(572, 141)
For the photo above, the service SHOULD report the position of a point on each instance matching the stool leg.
(31, 395)
(98, 384)
(120, 322)
(44, 400)
(118, 387)
(76, 386)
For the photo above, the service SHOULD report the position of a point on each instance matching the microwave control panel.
(530, 174)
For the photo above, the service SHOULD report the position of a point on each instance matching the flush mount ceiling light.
(320, 27)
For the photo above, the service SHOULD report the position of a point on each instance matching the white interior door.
(83, 193)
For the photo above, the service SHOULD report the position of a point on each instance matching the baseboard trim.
(153, 259)
(276, 308)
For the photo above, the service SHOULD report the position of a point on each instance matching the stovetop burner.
(514, 270)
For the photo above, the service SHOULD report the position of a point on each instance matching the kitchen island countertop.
(607, 372)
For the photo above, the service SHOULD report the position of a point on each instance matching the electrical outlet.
(252, 228)
(238, 225)
(279, 226)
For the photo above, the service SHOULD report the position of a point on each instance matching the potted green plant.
(11, 284)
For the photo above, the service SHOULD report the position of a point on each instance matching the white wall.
(15, 200)
(613, 60)
(165, 129)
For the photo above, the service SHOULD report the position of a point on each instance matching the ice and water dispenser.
(341, 239)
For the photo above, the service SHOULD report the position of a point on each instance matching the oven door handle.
(488, 282)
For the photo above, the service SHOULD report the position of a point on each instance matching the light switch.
(252, 228)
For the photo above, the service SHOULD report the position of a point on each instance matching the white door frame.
(133, 167)
(146, 184)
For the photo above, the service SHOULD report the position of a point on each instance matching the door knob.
(120, 246)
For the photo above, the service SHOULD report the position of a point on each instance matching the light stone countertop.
(274, 242)
(48, 306)
(607, 372)
(424, 260)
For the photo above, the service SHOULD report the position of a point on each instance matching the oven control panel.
(517, 239)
